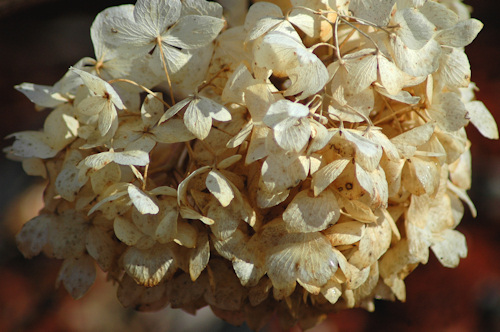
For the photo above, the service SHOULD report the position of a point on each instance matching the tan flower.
(321, 160)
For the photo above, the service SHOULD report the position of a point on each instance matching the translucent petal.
(374, 243)
(460, 35)
(215, 110)
(197, 122)
(306, 213)
(482, 119)
(326, 175)
(149, 267)
(450, 248)
(152, 109)
(29, 144)
(282, 172)
(193, 31)
(390, 75)
(420, 62)
(345, 233)
(101, 246)
(375, 183)
(401, 96)
(99, 87)
(196, 7)
(377, 12)
(143, 203)
(407, 142)
(454, 69)
(67, 182)
(199, 256)
(34, 235)
(167, 227)
(259, 11)
(449, 112)
(439, 15)
(421, 176)
(414, 29)
(126, 231)
(156, 15)
(220, 187)
(368, 153)
(290, 257)
(67, 235)
(42, 95)
(361, 70)
(133, 157)
(77, 275)
(172, 131)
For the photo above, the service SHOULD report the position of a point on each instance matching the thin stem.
(347, 38)
(140, 86)
(315, 46)
(164, 64)
(205, 84)
(393, 114)
(145, 177)
(401, 111)
(337, 48)
(361, 32)
(368, 23)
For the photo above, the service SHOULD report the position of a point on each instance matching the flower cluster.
(300, 159)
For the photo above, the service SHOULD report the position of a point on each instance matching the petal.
(34, 235)
(414, 29)
(172, 131)
(215, 110)
(157, 15)
(450, 248)
(420, 62)
(306, 257)
(78, 275)
(326, 175)
(376, 12)
(220, 187)
(199, 256)
(193, 31)
(29, 144)
(460, 35)
(101, 246)
(307, 213)
(482, 119)
(143, 203)
(197, 122)
(345, 233)
(42, 95)
(126, 231)
(133, 157)
(149, 267)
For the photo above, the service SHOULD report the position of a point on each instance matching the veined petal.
(307, 213)
(220, 187)
(149, 267)
(306, 257)
(157, 15)
(197, 122)
(193, 31)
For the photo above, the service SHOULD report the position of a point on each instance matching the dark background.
(40, 39)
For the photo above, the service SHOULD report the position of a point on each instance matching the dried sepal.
(307, 213)
(77, 275)
(149, 267)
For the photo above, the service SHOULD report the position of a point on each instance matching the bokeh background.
(41, 39)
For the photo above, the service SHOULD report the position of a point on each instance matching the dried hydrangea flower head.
(302, 160)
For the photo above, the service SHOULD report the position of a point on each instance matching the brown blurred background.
(40, 39)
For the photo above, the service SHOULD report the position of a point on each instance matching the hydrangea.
(301, 159)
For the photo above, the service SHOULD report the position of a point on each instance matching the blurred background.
(40, 39)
